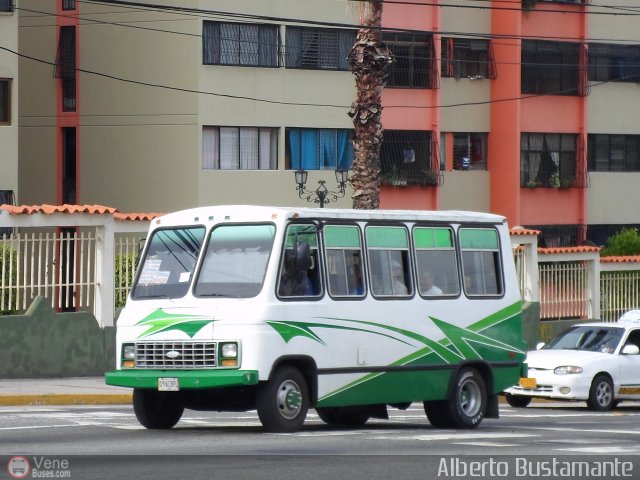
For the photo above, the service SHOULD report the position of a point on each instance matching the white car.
(596, 362)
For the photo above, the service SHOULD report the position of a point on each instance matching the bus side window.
(389, 265)
(344, 260)
(481, 262)
(436, 261)
(299, 270)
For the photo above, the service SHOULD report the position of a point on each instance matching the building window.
(548, 160)
(240, 44)
(319, 148)
(406, 158)
(68, 4)
(69, 162)
(613, 153)
(464, 58)
(239, 148)
(611, 62)
(469, 151)
(6, 6)
(319, 48)
(414, 60)
(551, 68)
(65, 67)
(5, 101)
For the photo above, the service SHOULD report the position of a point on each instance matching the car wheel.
(468, 403)
(283, 401)
(517, 401)
(153, 411)
(344, 416)
(601, 394)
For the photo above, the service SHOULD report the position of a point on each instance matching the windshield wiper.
(146, 297)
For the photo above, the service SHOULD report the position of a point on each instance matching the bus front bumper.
(186, 379)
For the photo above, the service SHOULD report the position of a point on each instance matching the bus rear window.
(168, 264)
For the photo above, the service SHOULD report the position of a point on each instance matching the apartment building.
(524, 109)
(8, 102)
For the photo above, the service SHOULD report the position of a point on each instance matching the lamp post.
(322, 194)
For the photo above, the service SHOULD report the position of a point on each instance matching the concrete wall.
(42, 343)
(9, 133)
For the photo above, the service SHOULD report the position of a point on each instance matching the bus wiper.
(146, 297)
(213, 294)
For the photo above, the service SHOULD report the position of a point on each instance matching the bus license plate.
(528, 383)
(168, 385)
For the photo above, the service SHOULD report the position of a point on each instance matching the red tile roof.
(621, 259)
(523, 231)
(91, 209)
(579, 249)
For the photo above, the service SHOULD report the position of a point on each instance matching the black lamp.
(322, 194)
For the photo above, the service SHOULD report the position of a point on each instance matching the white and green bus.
(349, 312)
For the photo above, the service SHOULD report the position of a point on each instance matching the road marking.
(455, 436)
(600, 450)
(584, 430)
(488, 444)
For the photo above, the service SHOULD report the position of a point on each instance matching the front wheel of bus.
(153, 411)
(283, 401)
(466, 407)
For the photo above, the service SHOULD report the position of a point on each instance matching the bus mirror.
(303, 256)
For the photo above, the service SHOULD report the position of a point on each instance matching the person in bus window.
(295, 282)
(427, 284)
(398, 279)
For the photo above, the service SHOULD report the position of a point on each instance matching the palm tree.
(370, 61)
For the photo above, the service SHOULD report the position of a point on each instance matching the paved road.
(559, 430)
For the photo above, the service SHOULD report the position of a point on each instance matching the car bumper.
(560, 387)
(186, 379)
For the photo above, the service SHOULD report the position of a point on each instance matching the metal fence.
(564, 290)
(619, 292)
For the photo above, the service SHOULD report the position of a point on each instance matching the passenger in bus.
(295, 282)
(427, 284)
(398, 279)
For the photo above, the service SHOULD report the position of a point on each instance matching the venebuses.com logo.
(18, 467)
(38, 467)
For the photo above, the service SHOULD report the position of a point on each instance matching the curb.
(65, 399)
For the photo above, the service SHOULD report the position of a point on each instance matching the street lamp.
(322, 194)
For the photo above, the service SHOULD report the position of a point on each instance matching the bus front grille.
(167, 355)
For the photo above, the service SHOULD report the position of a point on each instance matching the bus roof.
(246, 213)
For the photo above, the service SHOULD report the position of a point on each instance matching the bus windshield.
(169, 262)
(235, 261)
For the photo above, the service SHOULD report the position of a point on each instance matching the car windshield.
(168, 265)
(235, 261)
(587, 338)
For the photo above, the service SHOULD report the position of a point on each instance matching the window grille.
(548, 160)
(65, 66)
(68, 4)
(613, 153)
(552, 68)
(241, 44)
(614, 62)
(464, 58)
(7, 6)
(5, 101)
(318, 48)
(414, 60)
(410, 157)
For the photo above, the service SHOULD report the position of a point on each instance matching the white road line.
(488, 444)
(455, 436)
(584, 430)
(600, 450)
(31, 427)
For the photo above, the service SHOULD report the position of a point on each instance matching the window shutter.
(583, 70)
(435, 161)
(492, 71)
(448, 56)
(65, 66)
(434, 77)
(582, 173)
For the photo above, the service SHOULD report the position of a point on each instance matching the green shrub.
(125, 269)
(8, 259)
(625, 242)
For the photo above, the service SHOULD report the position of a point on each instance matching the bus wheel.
(435, 413)
(517, 401)
(466, 407)
(153, 411)
(344, 416)
(283, 401)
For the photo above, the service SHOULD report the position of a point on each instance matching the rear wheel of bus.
(283, 401)
(154, 411)
(468, 402)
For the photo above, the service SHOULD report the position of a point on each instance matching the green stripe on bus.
(341, 237)
(387, 237)
(432, 238)
(479, 238)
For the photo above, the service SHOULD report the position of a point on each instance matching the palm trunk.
(370, 60)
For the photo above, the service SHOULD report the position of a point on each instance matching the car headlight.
(567, 370)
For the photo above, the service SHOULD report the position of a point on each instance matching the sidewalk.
(61, 391)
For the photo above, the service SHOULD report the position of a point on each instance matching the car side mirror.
(539, 345)
(630, 350)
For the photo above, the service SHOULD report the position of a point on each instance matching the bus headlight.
(128, 355)
(229, 354)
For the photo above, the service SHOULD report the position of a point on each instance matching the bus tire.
(435, 413)
(153, 411)
(517, 401)
(468, 402)
(344, 416)
(283, 401)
